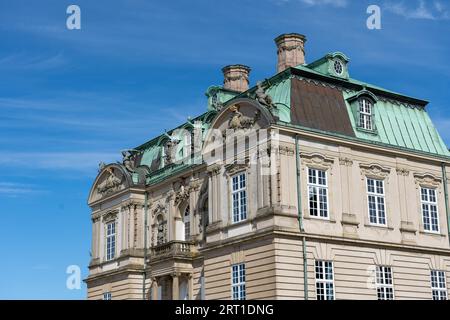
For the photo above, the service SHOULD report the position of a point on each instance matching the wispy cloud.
(435, 10)
(22, 61)
(334, 3)
(12, 189)
(75, 162)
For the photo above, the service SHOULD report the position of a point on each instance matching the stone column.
(190, 287)
(175, 286)
(154, 289)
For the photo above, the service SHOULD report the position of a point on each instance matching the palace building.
(309, 185)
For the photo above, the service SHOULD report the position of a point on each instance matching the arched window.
(187, 223)
(366, 114)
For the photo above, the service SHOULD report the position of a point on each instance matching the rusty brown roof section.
(318, 107)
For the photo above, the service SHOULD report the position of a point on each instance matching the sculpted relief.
(239, 121)
(110, 184)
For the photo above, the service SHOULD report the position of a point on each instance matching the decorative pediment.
(316, 160)
(159, 209)
(427, 180)
(110, 216)
(234, 168)
(374, 170)
(112, 179)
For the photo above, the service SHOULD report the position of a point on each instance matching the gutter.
(144, 277)
(447, 209)
(300, 217)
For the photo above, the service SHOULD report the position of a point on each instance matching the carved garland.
(375, 171)
(317, 160)
(427, 180)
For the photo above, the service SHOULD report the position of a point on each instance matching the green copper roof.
(401, 121)
(281, 95)
(402, 126)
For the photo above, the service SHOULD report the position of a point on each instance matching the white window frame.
(318, 187)
(382, 282)
(107, 296)
(324, 279)
(377, 196)
(187, 223)
(438, 282)
(365, 112)
(240, 212)
(111, 241)
(429, 204)
(238, 290)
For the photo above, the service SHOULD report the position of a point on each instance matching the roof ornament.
(169, 149)
(101, 166)
(182, 194)
(215, 102)
(129, 159)
(262, 97)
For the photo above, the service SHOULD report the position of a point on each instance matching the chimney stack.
(290, 50)
(235, 77)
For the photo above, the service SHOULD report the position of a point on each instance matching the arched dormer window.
(363, 106)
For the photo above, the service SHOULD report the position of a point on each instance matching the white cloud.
(12, 189)
(74, 162)
(334, 3)
(427, 11)
(22, 61)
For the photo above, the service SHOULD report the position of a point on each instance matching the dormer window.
(338, 67)
(365, 114)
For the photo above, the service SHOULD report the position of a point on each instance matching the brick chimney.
(290, 50)
(235, 77)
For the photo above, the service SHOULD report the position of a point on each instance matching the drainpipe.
(300, 217)
(144, 278)
(447, 209)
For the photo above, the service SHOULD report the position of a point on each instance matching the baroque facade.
(309, 185)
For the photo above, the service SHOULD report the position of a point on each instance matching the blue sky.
(70, 99)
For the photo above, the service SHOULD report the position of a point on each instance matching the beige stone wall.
(123, 286)
(259, 260)
(352, 269)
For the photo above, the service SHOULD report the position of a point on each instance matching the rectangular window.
(107, 296)
(238, 281)
(429, 210)
(318, 193)
(375, 197)
(438, 286)
(384, 284)
(324, 280)
(365, 114)
(239, 197)
(110, 240)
